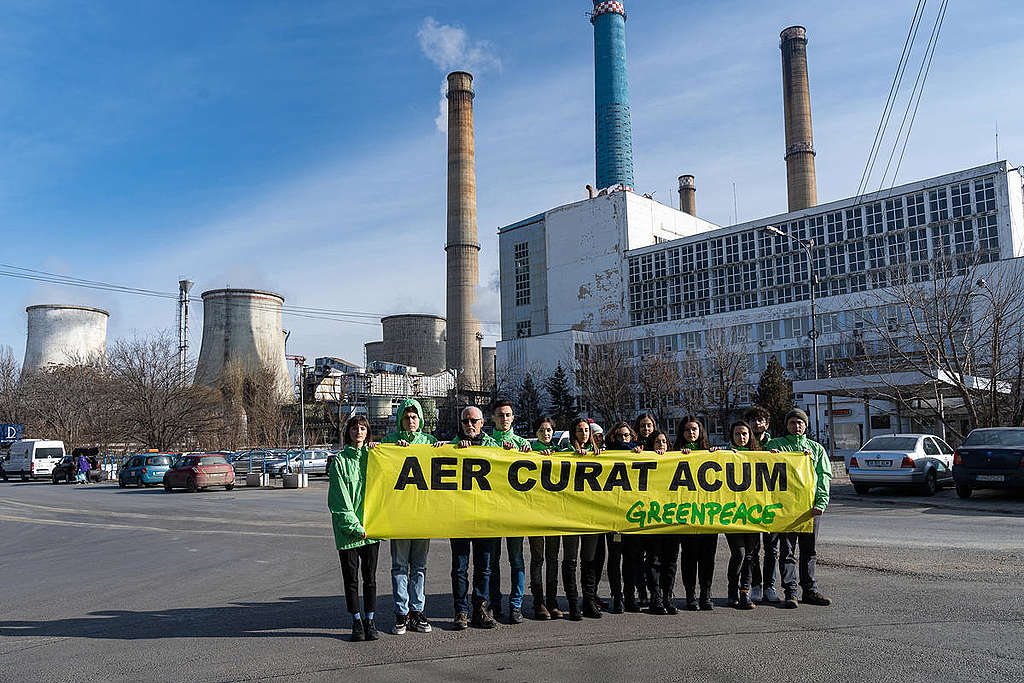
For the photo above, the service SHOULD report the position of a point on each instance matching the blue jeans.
(518, 566)
(481, 550)
(409, 573)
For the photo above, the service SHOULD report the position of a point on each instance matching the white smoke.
(451, 49)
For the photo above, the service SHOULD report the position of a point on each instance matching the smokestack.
(796, 94)
(462, 352)
(687, 195)
(614, 143)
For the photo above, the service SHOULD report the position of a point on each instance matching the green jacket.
(822, 465)
(347, 485)
(764, 438)
(417, 437)
(692, 446)
(538, 446)
(502, 437)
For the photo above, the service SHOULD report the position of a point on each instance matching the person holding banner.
(744, 547)
(504, 418)
(763, 583)
(698, 550)
(796, 441)
(409, 556)
(471, 433)
(645, 550)
(644, 426)
(346, 488)
(621, 438)
(581, 442)
(544, 549)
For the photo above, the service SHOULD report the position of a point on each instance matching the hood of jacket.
(405, 405)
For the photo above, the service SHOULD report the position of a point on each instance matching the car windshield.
(158, 460)
(891, 443)
(185, 462)
(995, 437)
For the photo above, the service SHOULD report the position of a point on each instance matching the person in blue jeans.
(509, 440)
(409, 556)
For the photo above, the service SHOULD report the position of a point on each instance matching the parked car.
(198, 471)
(923, 461)
(991, 458)
(315, 463)
(240, 461)
(32, 458)
(67, 467)
(145, 470)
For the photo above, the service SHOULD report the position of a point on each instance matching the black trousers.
(743, 559)
(572, 548)
(353, 561)
(618, 564)
(668, 559)
(634, 556)
(544, 565)
(788, 546)
(698, 560)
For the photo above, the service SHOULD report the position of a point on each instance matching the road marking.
(98, 525)
(140, 515)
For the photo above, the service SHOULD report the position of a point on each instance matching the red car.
(195, 472)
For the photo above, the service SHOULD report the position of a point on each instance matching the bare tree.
(69, 402)
(658, 381)
(727, 365)
(12, 407)
(605, 377)
(251, 400)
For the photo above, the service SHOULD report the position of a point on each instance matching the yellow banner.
(448, 492)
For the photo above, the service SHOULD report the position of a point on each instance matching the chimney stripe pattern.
(796, 93)
(613, 134)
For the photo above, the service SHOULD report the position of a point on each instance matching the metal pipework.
(613, 134)
(462, 351)
(796, 93)
(687, 195)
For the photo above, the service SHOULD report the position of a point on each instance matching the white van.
(33, 458)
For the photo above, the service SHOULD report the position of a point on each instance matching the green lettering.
(667, 512)
(740, 514)
(682, 513)
(726, 516)
(750, 514)
(768, 516)
(696, 516)
(636, 514)
(653, 512)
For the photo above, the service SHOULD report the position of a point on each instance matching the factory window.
(798, 229)
(897, 248)
(691, 340)
(919, 272)
(716, 252)
(749, 276)
(942, 243)
(741, 333)
(820, 262)
(938, 204)
(858, 283)
(689, 291)
(659, 264)
(646, 267)
(855, 255)
(894, 214)
(984, 195)
(719, 281)
(829, 323)
(800, 267)
(703, 307)
(524, 328)
(782, 244)
(918, 244)
(701, 255)
(732, 249)
(915, 210)
(854, 223)
(634, 270)
(988, 233)
(795, 327)
(674, 293)
(874, 218)
(703, 291)
(816, 229)
(521, 253)
(834, 222)
(747, 245)
(786, 295)
(876, 252)
(782, 274)
(837, 259)
(767, 273)
(961, 200)
(766, 243)
(768, 297)
(963, 236)
(673, 262)
(768, 330)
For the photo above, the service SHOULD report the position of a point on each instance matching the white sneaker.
(755, 594)
(770, 595)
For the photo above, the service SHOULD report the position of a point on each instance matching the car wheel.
(24, 477)
(963, 490)
(168, 489)
(861, 488)
(190, 485)
(228, 487)
(120, 482)
(931, 484)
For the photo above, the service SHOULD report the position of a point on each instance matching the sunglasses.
(469, 420)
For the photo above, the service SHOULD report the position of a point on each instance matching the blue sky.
(294, 146)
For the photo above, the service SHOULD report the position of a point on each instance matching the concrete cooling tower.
(417, 340)
(242, 329)
(62, 335)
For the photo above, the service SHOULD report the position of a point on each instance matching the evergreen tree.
(563, 403)
(528, 400)
(775, 393)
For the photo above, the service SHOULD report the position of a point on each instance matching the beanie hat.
(797, 413)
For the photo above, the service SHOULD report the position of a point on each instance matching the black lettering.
(563, 476)
(586, 472)
(443, 467)
(513, 475)
(730, 477)
(774, 480)
(411, 473)
(475, 470)
(702, 475)
(644, 468)
(682, 477)
(618, 478)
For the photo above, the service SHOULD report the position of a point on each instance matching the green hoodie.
(538, 446)
(764, 438)
(347, 486)
(416, 437)
(822, 466)
(510, 436)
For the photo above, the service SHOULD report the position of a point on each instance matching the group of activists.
(641, 568)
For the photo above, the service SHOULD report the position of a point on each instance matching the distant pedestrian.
(82, 473)
(357, 553)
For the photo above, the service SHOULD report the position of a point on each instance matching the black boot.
(482, 617)
(669, 603)
(540, 611)
(691, 599)
(371, 629)
(551, 602)
(358, 634)
(588, 579)
(618, 605)
(656, 605)
(705, 599)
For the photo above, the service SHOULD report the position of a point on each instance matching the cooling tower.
(242, 329)
(488, 367)
(612, 130)
(796, 95)
(374, 351)
(417, 340)
(62, 335)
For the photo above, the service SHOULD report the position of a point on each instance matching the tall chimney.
(614, 140)
(462, 351)
(796, 94)
(687, 195)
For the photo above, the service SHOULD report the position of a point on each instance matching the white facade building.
(661, 279)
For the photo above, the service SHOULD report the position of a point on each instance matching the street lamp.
(808, 246)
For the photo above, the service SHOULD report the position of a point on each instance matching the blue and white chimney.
(614, 140)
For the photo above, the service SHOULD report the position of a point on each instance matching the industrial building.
(60, 334)
(620, 268)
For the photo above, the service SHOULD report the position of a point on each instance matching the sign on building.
(10, 433)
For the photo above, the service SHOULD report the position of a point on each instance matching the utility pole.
(184, 286)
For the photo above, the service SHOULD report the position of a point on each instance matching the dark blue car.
(989, 459)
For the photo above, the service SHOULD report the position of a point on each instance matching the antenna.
(735, 206)
(997, 139)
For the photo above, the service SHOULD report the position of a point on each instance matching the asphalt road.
(102, 583)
